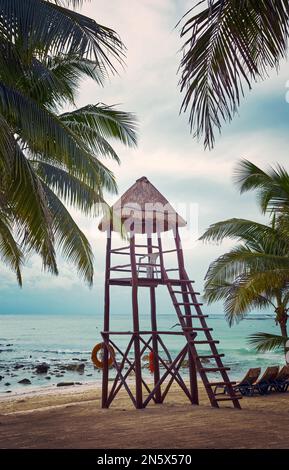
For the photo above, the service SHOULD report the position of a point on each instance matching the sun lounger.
(245, 385)
(263, 385)
(281, 383)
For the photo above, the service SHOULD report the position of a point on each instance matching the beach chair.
(245, 385)
(151, 269)
(281, 383)
(263, 385)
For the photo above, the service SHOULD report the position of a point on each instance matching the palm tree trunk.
(282, 318)
(283, 328)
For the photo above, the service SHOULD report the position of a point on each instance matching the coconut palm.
(57, 157)
(48, 159)
(252, 275)
(255, 273)
(228, 45)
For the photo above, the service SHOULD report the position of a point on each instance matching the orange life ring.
(99, 363)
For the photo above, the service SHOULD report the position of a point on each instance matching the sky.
(167, 154)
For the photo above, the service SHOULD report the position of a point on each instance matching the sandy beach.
(72, 418)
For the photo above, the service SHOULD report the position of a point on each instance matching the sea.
(64, 343)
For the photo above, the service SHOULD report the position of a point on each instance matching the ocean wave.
(60, 351)
(266, 317)
(241, 351)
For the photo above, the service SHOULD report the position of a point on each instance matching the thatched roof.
(142, 209)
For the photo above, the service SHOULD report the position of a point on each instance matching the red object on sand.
(151, 362)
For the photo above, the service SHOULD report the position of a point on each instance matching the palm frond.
(272, 187)
(255, 235)
(7, 147)
(246, 296)
(50, 27)
(242, 260)
(228, 45)
(10, 251)
(94, 142)
(107, 121)
(52, 80)
(69, 188)
(29, 204)
(70, 239)
(263, 342)
(47, 135)
(240, 297)
(55, 80)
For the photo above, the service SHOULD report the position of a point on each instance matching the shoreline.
(43, 390)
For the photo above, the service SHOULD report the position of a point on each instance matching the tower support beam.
(135, 315)
(105, 371)
(156, 372)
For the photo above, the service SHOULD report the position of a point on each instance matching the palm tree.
(48, 159)
(255, 273)
(228, 45)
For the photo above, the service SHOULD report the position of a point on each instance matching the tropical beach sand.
(72, 418)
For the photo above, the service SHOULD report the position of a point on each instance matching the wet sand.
(72, 418)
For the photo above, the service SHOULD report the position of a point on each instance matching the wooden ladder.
(187, 323)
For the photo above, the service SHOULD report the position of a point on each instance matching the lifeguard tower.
(145, 213)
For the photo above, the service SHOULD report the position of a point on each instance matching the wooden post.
(134, 281)
(185, 296)
(105, 370)
(158, 394)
